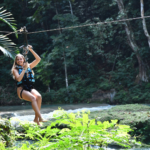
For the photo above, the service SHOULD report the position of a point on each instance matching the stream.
(26, 112)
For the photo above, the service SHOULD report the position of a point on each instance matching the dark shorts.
(27, 88)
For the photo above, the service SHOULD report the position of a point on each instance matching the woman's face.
(19, 60)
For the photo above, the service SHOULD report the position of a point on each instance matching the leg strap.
(21, 92)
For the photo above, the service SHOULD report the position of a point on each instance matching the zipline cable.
(90, 24)
(80, 26)
(9, 33)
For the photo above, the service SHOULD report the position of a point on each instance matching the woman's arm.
(18, 76)
(37, 58)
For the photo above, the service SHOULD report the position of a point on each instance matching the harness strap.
(21, 92)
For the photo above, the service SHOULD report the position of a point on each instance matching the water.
(20, 143)
(27, 113)
(47, 112)
(109, 148)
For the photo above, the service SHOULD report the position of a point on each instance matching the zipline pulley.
(24, 31)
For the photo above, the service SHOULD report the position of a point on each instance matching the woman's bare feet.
(37, 121)
(42, 120)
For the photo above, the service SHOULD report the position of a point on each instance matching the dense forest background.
(78, 62)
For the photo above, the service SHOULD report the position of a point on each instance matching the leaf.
(5, 17)
(85, 119)
(7, 53)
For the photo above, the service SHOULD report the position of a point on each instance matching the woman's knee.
(33, 98)
(39, 97)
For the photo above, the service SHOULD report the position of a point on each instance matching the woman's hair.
(15, 64)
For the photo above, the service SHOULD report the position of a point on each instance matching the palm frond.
(6, 52)
(6, 46)
(8, 19)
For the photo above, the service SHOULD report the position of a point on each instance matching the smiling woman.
(24, 77)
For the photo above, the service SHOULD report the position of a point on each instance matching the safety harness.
(28, 79)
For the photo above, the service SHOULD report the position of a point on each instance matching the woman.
(24, 77)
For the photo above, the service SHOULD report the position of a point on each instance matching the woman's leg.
(38, 97)
(26, 95)
(38, 100)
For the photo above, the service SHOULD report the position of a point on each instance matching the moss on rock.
(137, 116)
(5, 132)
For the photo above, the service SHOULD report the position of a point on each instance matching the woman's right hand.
(25, 65)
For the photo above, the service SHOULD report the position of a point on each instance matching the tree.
(132, 43)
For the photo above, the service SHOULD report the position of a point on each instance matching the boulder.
(7, 115)
(5, 132)
(100, 96)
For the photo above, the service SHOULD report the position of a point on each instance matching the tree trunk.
(64, 56)
(71, 8)
(144, 23)
(132, 43)
(65, 66)
(48, 89)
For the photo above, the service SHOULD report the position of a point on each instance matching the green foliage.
(75, 131)
(7, 92)
(134, 115)
(5, 17)
(5, 78)
(5, 43)
(2, 145)
(77, 93)
(7, 134)
(142, 133)
(106, 85)
(44, 71)
(134, 94)
(97, 57)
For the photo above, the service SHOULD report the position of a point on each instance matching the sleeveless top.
(27, 81)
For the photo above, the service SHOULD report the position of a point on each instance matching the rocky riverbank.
(137, 116)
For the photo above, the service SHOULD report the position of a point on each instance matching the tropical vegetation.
(76, 62)
(73, 131)
(5, 43)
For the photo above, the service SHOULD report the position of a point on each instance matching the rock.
(7, 115)
(59, 126)
(100, 96)
(20, 129)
